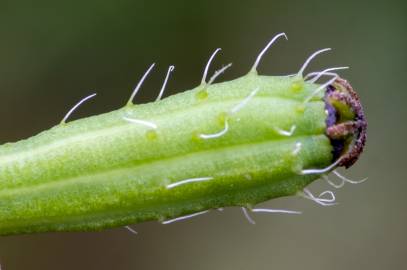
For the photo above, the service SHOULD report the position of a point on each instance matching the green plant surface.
(103, 171)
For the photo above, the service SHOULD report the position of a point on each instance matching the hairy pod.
(234, 143)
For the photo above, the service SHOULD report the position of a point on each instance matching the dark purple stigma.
(349, 135)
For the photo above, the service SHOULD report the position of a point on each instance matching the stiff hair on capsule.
(208, 64)
(260, 56)
(244, 102)
(75, 107)
(187, 181)
(325, 72)
(281, 211)
(343, 180)
(141, 122)
(247, 216)
(139, 84)
(323, 170)
(309, 59)
(130, 229)
(287, 133)
(184, 217)
(266, 210)
(218, 134)
(170, 69)
(218, 73)
(321, 200)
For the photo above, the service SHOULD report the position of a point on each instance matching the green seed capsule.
(235, 143)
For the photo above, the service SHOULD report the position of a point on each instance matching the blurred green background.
(53, 53)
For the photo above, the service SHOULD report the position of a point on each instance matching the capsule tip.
(346, 122)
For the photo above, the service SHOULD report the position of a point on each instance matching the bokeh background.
(53, 53)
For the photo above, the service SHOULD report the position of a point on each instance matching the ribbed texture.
(104, 171)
